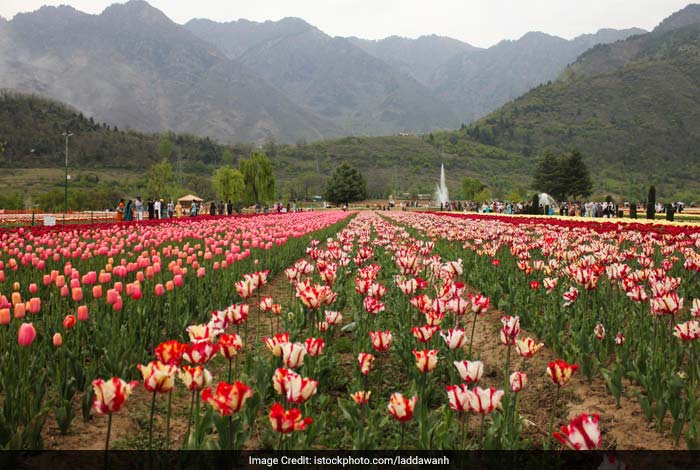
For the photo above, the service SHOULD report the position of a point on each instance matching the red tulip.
(314, 346)
(518, 380)
(287, 421)
(560, 372)
(424, 333)
(293, 354)
(170, 352)
(401, 408)
(195, 378)
(366, 362)
(458, 396)
(69, 322)
(361, 397)
(200, 353)
(688, 331)
(299, 389)
(274, 344)
(381, 340)
(527, 347)
(111, 395)
(470, 371)
(158, 377)
(82, 313)
(230, 345)
(485, 400)
(426, 360)
(582, 433)
(227, 399)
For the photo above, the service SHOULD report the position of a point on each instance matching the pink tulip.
(20, 310)
(82, 313)
(34, 305)
(26, 334)
(57, 340)
(97, 292)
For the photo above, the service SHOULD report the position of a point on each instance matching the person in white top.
(156, 208)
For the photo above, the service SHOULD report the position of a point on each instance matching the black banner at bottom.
(186, 460)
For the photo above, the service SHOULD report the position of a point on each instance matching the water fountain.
(442, 196)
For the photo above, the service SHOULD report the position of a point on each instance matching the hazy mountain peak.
(687, 16)
(137, 9)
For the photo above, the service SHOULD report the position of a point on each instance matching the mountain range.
(632, 108)
(286, 80)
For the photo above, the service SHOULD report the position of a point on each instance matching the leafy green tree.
(563, 176)
(258, 178)
(229, 183)
(550, 176)
(346, 185)
(165, 148)
(159, 177)
(471, 187)
(227, 157)
(577, 177)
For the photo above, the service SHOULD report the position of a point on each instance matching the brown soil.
(623, 428)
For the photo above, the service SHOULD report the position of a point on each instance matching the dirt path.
(623, 428)
(130, 425)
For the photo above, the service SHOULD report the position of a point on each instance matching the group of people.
(154, 208)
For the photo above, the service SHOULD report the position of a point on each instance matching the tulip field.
(336, 330)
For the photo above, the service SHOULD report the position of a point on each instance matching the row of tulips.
(80, 302)
(620, 300)
(366, 292)
(374, 290)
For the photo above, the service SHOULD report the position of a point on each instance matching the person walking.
(151, 209)
(156, 208)
(220, 207)
(229, 207)
(129, 211)
(178, 210)
(138, 206)
(193, 209)
(171, 208)
(120, 210)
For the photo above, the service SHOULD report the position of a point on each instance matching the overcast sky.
(480, 23)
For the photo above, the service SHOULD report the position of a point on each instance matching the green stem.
(507, 371)
(230, 431)
(551, 417)
(229, 369)
(482, 432)
(279, 442)
(109, 431)
(150, 423)
(167, 421)
(471, 340)
(189, 421)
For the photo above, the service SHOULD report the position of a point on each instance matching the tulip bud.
(82, 313)
(26, 334)
(20, 310)
(34, 305)
(57, 340)
(5, 316)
